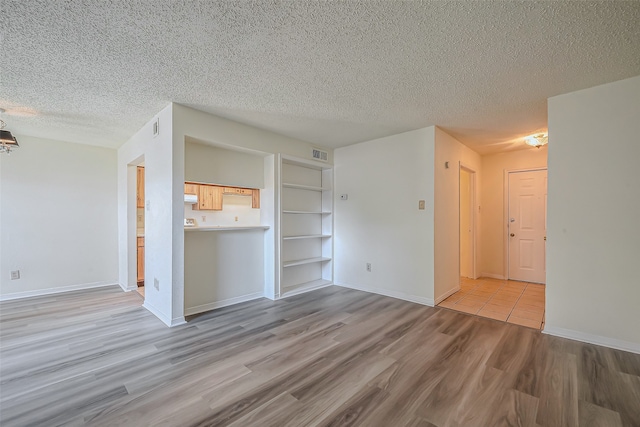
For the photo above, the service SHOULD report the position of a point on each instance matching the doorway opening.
(140, 228)
(467, 240)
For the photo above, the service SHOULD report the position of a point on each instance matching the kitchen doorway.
(140, 228)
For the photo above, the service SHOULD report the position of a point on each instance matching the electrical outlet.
(156, 284)
(236, 219)
(421, 204)
(204, 218)
(369, 267)
(15, 275)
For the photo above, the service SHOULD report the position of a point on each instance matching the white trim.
(51, 291)
(164, 319)
(223, 303)
(392, 294)
(493, 276)
(593, 339)
(474, 219)
(303, 289)
(447, 294)
(178, 321)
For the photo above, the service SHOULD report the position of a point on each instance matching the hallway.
(514, 302)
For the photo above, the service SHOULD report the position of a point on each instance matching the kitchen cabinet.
(209, 197)
(190, 188)
(140, 187)
(238, 191)
(140, 260)
(255, 198)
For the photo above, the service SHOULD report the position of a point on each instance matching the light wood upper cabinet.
(209, 197)
(140, 188)
(255, 198)
(190, 188)
(238, 191)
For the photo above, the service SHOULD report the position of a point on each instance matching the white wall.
(493, 224)
(59, 224)
(593, 285)
(161, 213)
(447, 210)
(380, 222)
(215, 165)
(189, 124)
(222, 268)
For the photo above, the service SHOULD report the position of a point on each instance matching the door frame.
(505, 217)
(474, 218)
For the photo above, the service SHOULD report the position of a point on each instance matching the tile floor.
(521, 303)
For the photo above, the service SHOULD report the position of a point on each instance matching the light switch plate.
(421, 204)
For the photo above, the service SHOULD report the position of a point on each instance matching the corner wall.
(593, 290)
(59, 224)
(447, 210)
(380, 222)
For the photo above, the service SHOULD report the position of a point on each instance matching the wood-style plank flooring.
(332, 357)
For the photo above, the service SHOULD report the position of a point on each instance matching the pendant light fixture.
(7, 141)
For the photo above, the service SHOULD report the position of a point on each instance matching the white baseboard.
(389, 293)
(51, 291)
(447, 294)
(166, 320)
(224, 303)
(592, 339)
(493, 276)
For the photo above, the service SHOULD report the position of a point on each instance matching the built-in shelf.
(304, 287)
(308, 236)
(304, 261)
(305, 187)
(306, 225)
(307, 212)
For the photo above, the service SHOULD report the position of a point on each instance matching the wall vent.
(156, 127)
(323, 156)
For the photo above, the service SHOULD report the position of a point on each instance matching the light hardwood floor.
(330, 357)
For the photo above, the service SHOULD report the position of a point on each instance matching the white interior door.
(527, 226)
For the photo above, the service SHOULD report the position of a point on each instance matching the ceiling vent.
(323, 156)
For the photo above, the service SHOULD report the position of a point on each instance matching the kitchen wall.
(224, 166)
(58, 209)
(380, 222)
(236, 211)
(593, 233)
(493, 225)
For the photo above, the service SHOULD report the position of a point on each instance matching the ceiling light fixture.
(537, 140)
(7, 141)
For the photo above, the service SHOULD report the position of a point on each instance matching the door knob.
(512, 235)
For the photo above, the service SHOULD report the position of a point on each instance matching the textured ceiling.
(332, 73)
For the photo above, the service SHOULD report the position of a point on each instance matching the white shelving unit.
(306, 225)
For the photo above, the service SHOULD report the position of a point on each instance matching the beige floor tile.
(504, 298)
(492, 314)
(470, 303)
(481, 293)
(483, 298)
(532, 315)
(498, 308)
(524, 322)
(529, 307)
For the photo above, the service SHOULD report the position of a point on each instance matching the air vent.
(156, 128)
(323, 156)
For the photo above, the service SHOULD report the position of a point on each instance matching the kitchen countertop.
(227, 228)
